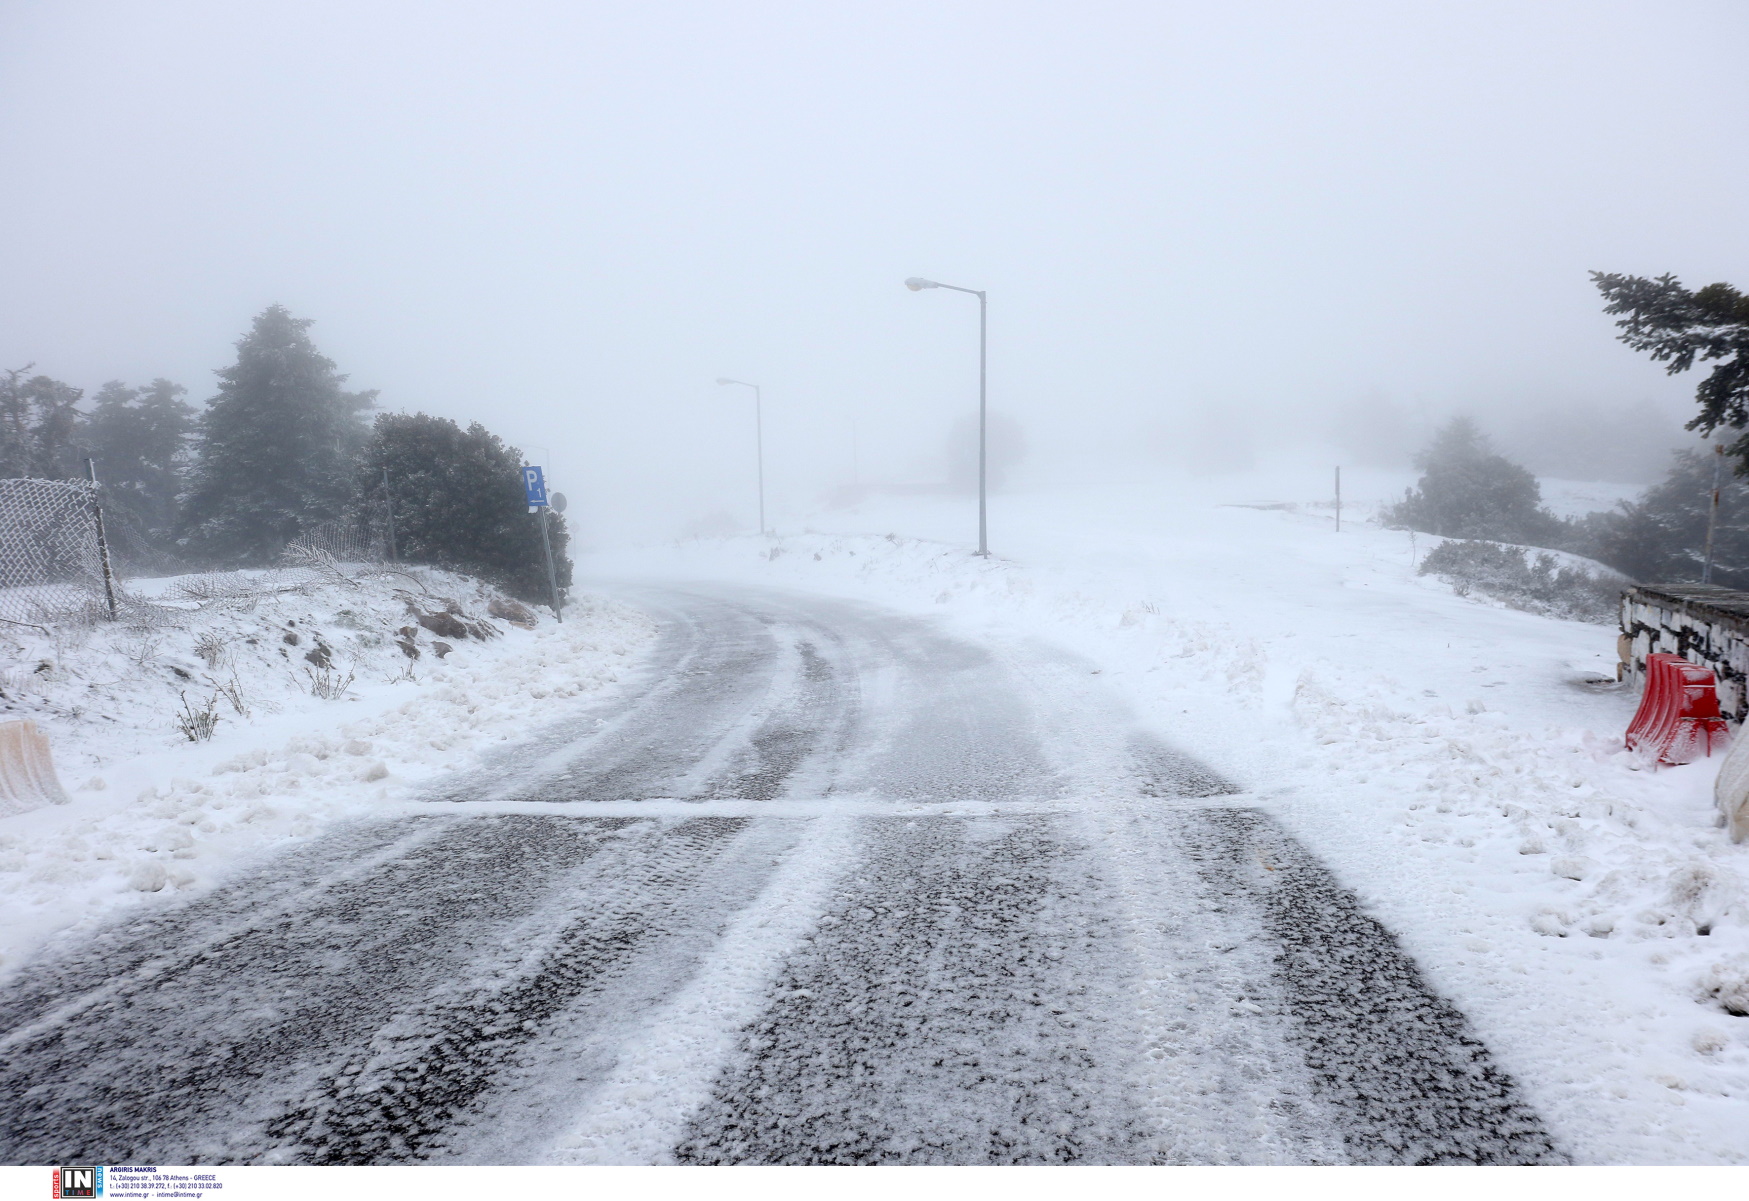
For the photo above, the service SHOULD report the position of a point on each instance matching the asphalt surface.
(824, 885)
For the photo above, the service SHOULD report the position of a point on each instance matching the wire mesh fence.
(51, 568)
(360, 539)
(135, 553)
(51, 558)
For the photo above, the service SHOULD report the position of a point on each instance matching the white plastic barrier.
(27, 773)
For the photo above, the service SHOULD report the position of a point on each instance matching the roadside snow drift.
(232, 713)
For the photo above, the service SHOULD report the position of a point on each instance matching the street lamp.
(758, 442)
(917, 284)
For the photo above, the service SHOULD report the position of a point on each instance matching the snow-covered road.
(825, 885)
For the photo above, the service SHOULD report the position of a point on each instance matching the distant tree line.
(1467, 490)
(281, 448)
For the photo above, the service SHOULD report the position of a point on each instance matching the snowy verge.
(1458, 763)
(332, 701)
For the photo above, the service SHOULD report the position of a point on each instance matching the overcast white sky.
(567, 219)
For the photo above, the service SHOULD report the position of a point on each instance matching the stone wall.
(1703, 623)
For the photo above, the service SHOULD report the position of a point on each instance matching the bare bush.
(197, 725)
(328, 683)
(213, 649)
(142, 650)
(232, 691)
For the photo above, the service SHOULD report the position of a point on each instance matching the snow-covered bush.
(1539, 584)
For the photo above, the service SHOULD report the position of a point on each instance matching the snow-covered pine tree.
(1680, 328)
(140, 439)
(1468, 491)
(279, 445)
(1661, 537)
(39, 418)
(458, 502)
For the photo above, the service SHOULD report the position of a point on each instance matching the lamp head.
(917, 283)
(725, 381)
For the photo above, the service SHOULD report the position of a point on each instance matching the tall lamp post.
(917, 285)
(758, 442)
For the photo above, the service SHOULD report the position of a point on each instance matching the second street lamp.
(917, 284)
(758, 443)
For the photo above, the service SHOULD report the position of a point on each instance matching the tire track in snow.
(667, 1070)
(425, 1072)
(428, 973)
(949, 1009)
(1402, 1076)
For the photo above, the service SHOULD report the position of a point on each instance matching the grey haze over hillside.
(1210, 233)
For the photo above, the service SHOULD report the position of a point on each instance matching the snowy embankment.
(1458, 763)
(333, 697)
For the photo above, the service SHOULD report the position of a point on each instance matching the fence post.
(102, 540)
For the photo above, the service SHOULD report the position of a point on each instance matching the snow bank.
(332, 700)
(1458, 763)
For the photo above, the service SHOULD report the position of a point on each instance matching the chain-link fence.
(51, 568)
(134, 553)
(51, 556)
(361, 539)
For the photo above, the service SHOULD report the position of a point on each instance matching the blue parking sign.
(535, 484)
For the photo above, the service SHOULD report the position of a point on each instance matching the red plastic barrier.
(1678, 719)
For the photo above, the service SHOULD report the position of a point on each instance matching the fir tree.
(1681, 328)
(279, 445)
(1661, 537)
(458, 502)
(140, 439)
(39, 421)
(1468, 491)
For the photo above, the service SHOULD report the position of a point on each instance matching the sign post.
(534, 486)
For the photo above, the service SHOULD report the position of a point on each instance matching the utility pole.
(102, 540)
(1339, 500)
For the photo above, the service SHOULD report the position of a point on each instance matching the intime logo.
(79, 1182)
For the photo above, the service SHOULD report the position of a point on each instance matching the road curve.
(824, 885)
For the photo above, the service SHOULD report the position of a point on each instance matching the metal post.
(917, 284)
(759, 450)
(1712, 520)
(983, 458)
(389, 513)
(1339, 500)
(552, 573)
(102, 540)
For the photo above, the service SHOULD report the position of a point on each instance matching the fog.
(1213, 236)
